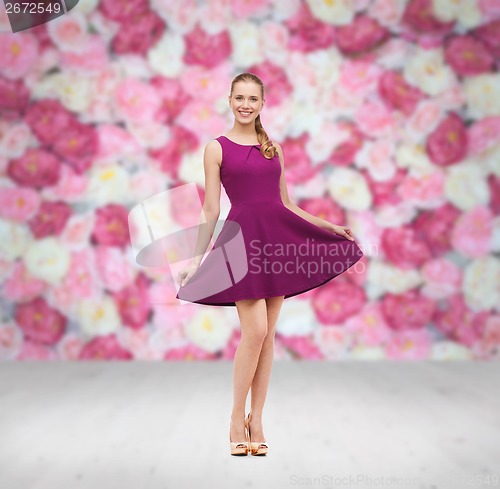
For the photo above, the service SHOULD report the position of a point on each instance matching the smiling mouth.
(244, 114)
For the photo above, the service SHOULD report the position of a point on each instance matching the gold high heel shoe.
(238, 448)
(256, 447)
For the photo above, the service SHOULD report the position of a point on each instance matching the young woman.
(286, 251)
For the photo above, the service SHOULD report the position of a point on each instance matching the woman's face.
(246, 101)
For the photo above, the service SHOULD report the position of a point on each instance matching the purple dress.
(264, 249)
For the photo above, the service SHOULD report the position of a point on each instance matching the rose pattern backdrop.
(388, 112)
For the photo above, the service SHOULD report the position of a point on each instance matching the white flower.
(395, 215)
(427, 70)
(87, 6)
(98, 317)
(48, 260)
(481, 283)
(495, 239)
(284, 10)
(297, 317)
(334, 342)
(483, 95)
(336, 12)
(274, 41)
(11, 341)
(415, 159)
(383, 278)
(180, 17)
(368, 353)
(166, 55)
(109, 183)
(466, 12)
(73, 90)
(209, 329)
(349, 188)
(15, 239)
(191, 167)
(449, 350)
(149, 134)
(465, 186)
(247, 49)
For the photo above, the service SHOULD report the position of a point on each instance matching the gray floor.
(166, 425)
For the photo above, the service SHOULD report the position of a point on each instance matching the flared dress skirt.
(264, 249)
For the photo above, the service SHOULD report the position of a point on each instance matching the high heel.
(255, 447)
(238, 448)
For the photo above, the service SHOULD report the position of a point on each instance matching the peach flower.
(409, 345)
(368, 325)
(137, 100)
(473, 232)
(11, 340)
(425, 192)
(20, 285)
(18, 204)
(483, 135)
(69, 347)
(113, 267)
(442, 278)
(14, 139)
(69, 32)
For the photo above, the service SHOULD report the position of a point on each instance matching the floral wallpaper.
(388, 112)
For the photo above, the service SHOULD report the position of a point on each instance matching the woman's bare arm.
(211, 206)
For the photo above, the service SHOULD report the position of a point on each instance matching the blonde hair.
(267, 148)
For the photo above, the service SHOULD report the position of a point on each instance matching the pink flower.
(420, 17)
(307, 33)
(48, 119)
(14, 98)
(494, 186)
(375, 119)
(115, 141)
(18, 54)
(300, 347)
(133, 304)
(104, 348)
(113, 268)
(77, 144)
(80, 281)
(489, 34)
(14, 139)
(409, 345)
(337, 300)
(35, 351)
(18, 204)
(425, 191)
(173, 94)
(244, 8)
(324, 208)
(483, 135)
(409, 310)
(188, 352)
(11, 340)
(40, 322)
(448, 142)
(70, 32)
(398, 94)
(111, 226)
(36, 168)
(369, 326)
(345, 152)
(137, 101)
(426, 117)
(278, 86)
(50, 219)
(199, 43)
(442, 278)
(385, 192)
(404, 248)
(70, 186)
(435, 227)
(185, 209)
(21, 286)
(387, 12)
(299, 166)
(490, 9)
(490, 340)
(198, 116)
(358, 78)
(123, 10)
(459, 322)
(138, 35)
(468, 56)
(181, 141)
(93, 58)
(362, 34)
(231, 346)
(473, 232)
(69, 347)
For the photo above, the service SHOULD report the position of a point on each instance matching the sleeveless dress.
(264, 249)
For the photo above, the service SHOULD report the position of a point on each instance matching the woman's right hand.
(185, 275)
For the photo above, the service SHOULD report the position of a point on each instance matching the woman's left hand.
(342, 231)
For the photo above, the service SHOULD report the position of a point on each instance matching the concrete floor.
(166, 425)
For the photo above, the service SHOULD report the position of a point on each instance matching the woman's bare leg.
(253, 319)
(262, 375)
